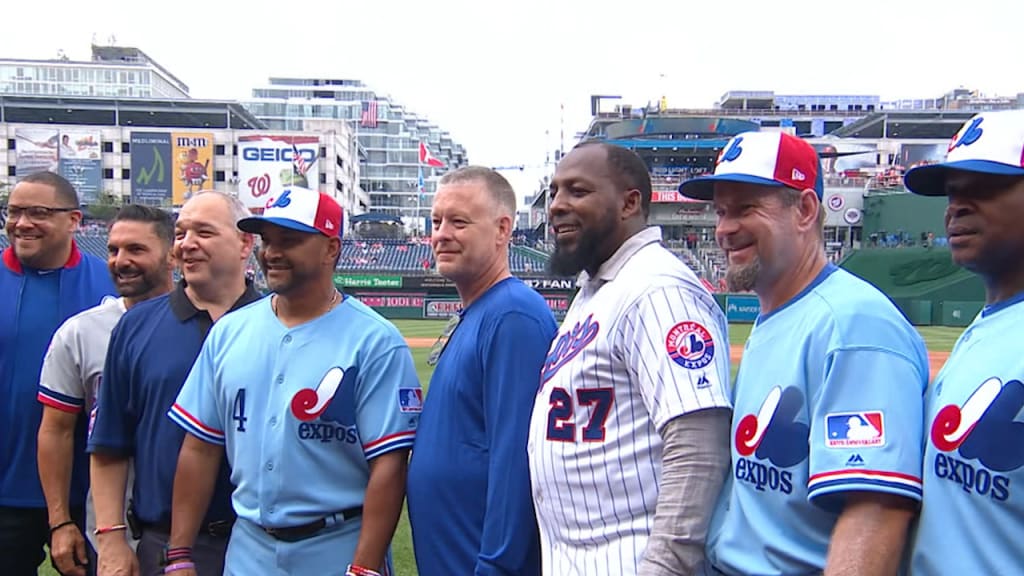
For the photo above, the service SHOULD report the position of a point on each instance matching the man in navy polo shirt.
(44, 280)
(151, 352)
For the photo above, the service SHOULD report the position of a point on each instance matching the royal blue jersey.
(972, 516)
(152, 350)
(469, 464)
(33, 303)
(301, 411)
(828, 400)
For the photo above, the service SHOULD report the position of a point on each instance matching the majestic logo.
(690, 345)
(732, 151)
(773, 434)
(333, 404)
(568, 345)
(968, 136)
(854, 429)
(985, 429)
(281, 201)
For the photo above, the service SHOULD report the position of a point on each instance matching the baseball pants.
(24, 532)
(253, 551)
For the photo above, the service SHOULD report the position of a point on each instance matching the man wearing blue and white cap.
(973, 509)
(307, 393)
(827, 435)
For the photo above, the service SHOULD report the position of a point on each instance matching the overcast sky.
(495, 74)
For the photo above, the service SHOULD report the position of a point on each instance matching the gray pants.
(207, 552)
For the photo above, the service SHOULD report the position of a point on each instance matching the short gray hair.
(238, 210)
(497, 186)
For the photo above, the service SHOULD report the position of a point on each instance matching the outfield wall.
(434, 297)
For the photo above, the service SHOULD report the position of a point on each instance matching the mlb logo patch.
(854, 430)
(410, 399)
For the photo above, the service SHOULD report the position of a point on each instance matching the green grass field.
(938, 339)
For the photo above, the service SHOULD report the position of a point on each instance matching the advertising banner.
(361, 281)
(193, 164)
(151, 168)
(267, 164)
(742, 308)
(81, 163)
(441, 308)
(393, 305)
(37, 150)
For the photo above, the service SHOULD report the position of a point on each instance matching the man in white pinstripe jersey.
(629, 434)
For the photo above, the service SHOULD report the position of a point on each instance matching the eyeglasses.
(442, 340)
(34, 213)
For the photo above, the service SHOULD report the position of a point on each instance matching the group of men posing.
(229, 433)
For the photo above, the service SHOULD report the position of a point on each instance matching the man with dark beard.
(628, 441)
(140, 263)
(313, 398)
(828, 399)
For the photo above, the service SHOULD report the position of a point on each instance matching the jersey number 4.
(238, 411)
(562, 416)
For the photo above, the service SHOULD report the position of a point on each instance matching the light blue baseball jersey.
(301, 411)
(828, 399)
(972, 515)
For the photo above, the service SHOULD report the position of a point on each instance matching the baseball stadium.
(874, 228)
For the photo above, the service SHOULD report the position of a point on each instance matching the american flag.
(298, 163)
(369, 118)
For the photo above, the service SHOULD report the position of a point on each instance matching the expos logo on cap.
(299, 209)
(763, 158)
(988, 143)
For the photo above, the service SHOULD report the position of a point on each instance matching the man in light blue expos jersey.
(307, 393)
(827, 421)
(972, 516)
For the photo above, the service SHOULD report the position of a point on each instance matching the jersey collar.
(12, 263)
(612, 266)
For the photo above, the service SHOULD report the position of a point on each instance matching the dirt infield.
(936, 359)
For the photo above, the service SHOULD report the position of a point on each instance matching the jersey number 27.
(562, 415)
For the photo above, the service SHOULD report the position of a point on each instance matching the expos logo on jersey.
(980, 440)
(771, 441)
(328, 412)
(690, 345)
(568, 345)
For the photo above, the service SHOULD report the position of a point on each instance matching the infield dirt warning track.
(935, 359)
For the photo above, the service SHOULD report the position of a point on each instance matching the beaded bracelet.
(179, 566)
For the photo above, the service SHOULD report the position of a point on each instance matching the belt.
(217, 529)
(298, 533)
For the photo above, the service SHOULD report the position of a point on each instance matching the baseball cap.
(988, 143)
(300, 209)
(765, 158)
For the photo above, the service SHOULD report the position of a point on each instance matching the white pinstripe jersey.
(642, 343)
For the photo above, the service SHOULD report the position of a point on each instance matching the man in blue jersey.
(151, 351)
(314, 399)
(44, 280)
(826, 457)
(470, 507)
(972, 514)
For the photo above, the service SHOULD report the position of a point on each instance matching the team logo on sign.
(690, 345)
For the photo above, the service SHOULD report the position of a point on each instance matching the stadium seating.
(414, 256)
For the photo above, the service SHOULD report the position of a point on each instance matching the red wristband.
(354, 570)
(113, 528)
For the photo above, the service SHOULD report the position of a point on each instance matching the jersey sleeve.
(867, 425)
(513, 357)
(196, 408)
(388, 402)
(116, 418)
(676, 349)
(61, 385)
